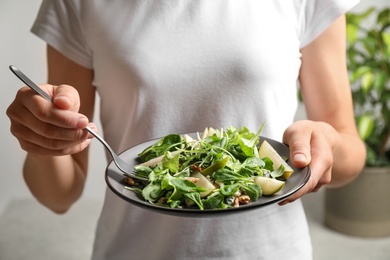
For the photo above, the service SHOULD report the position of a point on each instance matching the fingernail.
(82, 122)
(299, 157)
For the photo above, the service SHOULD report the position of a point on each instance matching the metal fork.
(126, 168)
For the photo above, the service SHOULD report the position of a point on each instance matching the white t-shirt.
(174, 66)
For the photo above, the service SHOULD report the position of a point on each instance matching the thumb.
(66, 97)
(300, 154)
(300, 159)
(298, 138)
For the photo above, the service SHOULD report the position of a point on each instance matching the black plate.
(115, 181)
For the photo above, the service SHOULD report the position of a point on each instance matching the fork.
(126, 168)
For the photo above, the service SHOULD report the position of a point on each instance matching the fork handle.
(29, 83)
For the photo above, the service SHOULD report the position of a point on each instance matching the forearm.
(56, 181)
(349, 159)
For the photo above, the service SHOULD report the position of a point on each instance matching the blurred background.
(29, 230)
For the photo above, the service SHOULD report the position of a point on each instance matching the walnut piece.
(244, 199)
(130, 181)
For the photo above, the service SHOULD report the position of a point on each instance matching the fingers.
(309, 144)
(46, 128)
(298, 137)
(54, 150)
(320, 176)
(62, 112)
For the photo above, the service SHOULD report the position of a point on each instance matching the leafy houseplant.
(368, 57)
(362, 207)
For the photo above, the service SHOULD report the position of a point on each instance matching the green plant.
(368, 57)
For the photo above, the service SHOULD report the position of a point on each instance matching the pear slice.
(204, 183)
(215, 167)
(266, 150)
(269, 186)
(209, 131)
(188, 139)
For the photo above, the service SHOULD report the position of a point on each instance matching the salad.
(216, 170)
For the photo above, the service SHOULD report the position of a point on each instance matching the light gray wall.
(22, 49)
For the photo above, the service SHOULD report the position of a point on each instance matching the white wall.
(22, 49)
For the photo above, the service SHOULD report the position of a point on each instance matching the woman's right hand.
(45, 128)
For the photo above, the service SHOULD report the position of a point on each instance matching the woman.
(175, 66)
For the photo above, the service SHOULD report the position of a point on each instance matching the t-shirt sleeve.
(59, 24)
(319, 15)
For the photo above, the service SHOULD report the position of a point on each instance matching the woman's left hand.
(311, 143)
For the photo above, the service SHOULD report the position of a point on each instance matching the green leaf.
(248, 141)
(152, 192)
(251, 167)
(226, 175)
(278, 172)
(213, 202)
(168, 143)
(252, 190)
(352, 33)
(356, 18)
(269, 164)
(386, 41)
(185, 185)
(195, 197)
(175, 204)
(359, 72)
(367, 81)
(365, 126)
(170, 162)
(384, 17)
(143, 171)
(229, 190)
(370, 44)
(380, 80)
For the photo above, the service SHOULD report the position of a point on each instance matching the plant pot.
(361, 208)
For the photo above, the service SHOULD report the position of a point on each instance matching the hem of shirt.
(55, 41)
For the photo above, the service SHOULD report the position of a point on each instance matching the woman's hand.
(44, 128)
(311, 143)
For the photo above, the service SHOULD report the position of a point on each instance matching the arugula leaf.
(229, 190)
(195, 197)
(143, 171)
(248, 141)
(253, 166)
(214, 201)
(185, 185)
(175, 204)
(170, 162)
(168, 143)
(152, 192)
(278, 172)
(252, 190)
(225, 175)
(269, 164)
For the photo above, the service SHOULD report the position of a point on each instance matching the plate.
(115, 182)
